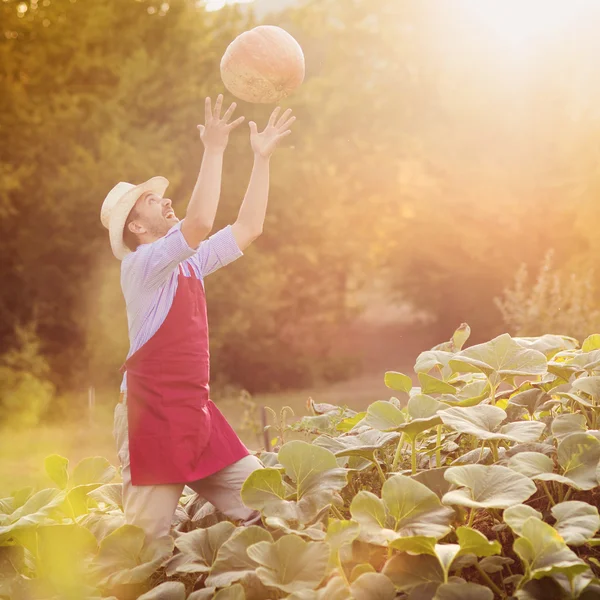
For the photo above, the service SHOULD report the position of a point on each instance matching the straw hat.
(118, 204)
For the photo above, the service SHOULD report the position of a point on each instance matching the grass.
(23, 451)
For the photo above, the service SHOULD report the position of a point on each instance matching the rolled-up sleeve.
(218, 250)
(152, 263)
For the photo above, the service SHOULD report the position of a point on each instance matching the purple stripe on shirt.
(149, 277)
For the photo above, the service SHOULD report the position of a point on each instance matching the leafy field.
(480, 483)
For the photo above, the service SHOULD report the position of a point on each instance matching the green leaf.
(125, 558)
(373, 586)
(233, 592)
(483, 486)
(431, 359)
(35, 511)
(578, 455)
(383, 415)
(407, 508)
(415, 509)
(499, 359)
(233, 562)
(365, 444)
(589, 386)
(472, 541)
(564, 425)
(532, 400)
(576, 521)
(432, 385)
(95, 469)
(408, 572)
(515, 516)
(483, 422)
(290, 564)
(169, 590)
(340, 533)
(303, 461)
(262, 488)
(548, 344)
(463, 591)
(536, 466)
(336, 589)
(63, 552)
(592, 342)
(494, 564)
(398, 381)
(421, 406)
(418, 544)
(109, 493)
(56, 468)
(350, 422)
(199, 547)
(544, 551)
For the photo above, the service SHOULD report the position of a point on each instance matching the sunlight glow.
(211, 5)
(519, 22)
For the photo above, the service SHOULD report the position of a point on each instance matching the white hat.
(118, 204)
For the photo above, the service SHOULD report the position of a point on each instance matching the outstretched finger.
(274, 116)
(283, 117)
(229, 112)
(218, 104)
(235, 123)
(287, 123)
(207, 110)
(253, 128)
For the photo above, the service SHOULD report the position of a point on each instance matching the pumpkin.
(263, 65)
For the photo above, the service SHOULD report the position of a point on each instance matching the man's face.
(154, 215)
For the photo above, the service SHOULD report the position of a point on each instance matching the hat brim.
(120, 212)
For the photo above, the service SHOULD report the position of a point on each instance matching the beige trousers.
(152, 507)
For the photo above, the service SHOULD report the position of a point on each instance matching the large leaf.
(548, 344)
(124, 557)
(262, 488)
(35, 511)
(516, 516)
(372, 586)
(408, 572)
(483, 421)
(472, 541)
(169, 590)
(109, 493)
(532, 400)
(383, 415)
(398, 381)
(95, 469)
(578, 455)
(576, 522)
(306, 464)
(589, 386)
(544, 551)
(56, 467)
(407, 508)
(432, 385)
(233, 562)
(199, 548)
(463, 591)
(499, 359)
(566, 424)
(63, 555)
(422, 406)
(290, 564)
(365, 444)
(536, 466)
(483, 486)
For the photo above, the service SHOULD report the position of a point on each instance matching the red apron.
(176, 433)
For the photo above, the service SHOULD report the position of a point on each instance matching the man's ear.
(136, 228)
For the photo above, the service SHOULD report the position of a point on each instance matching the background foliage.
(427, 154)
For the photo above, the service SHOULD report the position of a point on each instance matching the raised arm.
(203, 204)
(251, 217)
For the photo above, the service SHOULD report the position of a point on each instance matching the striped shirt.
(149, 278)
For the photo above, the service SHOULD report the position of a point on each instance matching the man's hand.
(215, 131)
(265, 142)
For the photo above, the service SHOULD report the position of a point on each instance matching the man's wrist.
(260, 158)
(214, 150)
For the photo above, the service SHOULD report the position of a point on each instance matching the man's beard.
(159, 230)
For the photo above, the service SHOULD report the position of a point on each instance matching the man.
(168, 432)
